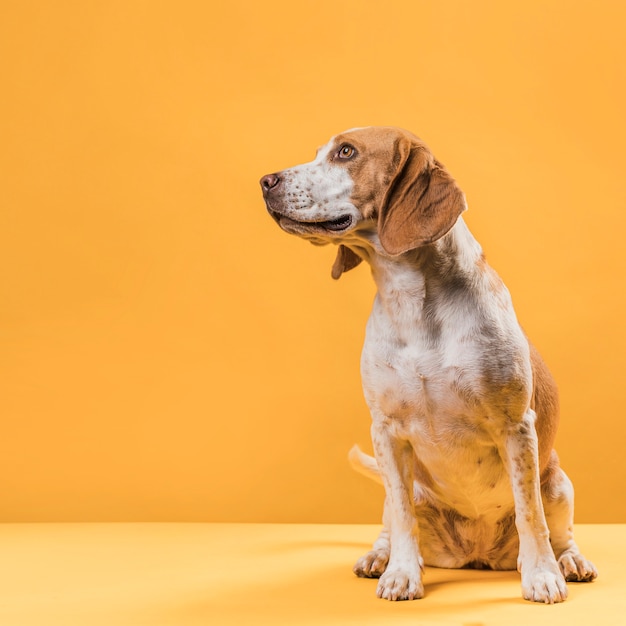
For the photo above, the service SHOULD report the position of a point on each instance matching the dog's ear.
(422, 203)
(345, 261)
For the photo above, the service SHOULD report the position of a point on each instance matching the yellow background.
(167, 353)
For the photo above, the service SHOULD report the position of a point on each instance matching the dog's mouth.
(341, 223)
(336, 226)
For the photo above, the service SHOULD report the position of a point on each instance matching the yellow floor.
(222, 574)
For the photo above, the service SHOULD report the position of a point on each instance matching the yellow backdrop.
(167, 353)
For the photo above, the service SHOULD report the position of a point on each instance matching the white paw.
(400, 584)
(372, 564)
(576, 568)
(544, 585)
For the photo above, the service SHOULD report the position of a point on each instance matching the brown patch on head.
(374, 165)
(372, 168)
(396, 177)
(398, 181)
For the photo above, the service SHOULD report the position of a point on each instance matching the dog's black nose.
(269, 182)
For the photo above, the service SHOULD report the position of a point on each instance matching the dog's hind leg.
(557, 494)
(374, 563)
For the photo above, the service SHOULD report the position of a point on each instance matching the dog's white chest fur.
(422, 373)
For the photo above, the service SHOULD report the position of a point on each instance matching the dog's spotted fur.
(464, 412)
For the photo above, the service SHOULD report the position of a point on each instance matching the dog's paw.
(544, 585)
(576, 568)
(400, 584)
(372, 565)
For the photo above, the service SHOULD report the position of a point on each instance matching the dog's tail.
(364, 463)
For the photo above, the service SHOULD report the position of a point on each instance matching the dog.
(464, 411)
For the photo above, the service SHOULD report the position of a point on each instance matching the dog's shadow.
(316, 592)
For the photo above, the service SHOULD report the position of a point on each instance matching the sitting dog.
(464, 411)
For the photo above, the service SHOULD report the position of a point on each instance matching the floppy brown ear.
(345, 261)
(423, 202)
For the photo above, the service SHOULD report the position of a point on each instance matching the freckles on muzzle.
(283, 194)
(283, 203)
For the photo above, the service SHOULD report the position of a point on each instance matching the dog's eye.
(346, 152)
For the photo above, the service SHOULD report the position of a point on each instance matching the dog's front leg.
(542, 580)
(402, 579)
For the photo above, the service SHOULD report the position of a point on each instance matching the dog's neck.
(412, 282)
(455, 257)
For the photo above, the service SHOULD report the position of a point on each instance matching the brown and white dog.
(464, 411)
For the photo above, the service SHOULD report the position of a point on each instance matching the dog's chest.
(428, 391)
(435, 407)
(419, 381)
(432, 404)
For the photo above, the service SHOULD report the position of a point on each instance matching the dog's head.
(379, 184)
